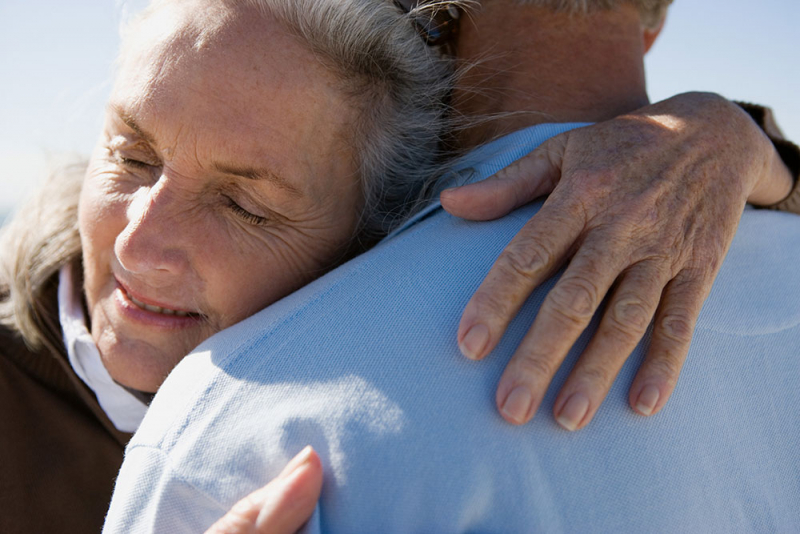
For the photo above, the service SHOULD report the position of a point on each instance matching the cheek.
(101, 218)
(239, 283)
(242, 280)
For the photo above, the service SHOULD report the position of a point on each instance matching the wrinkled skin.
(198, 209)
(643, 208)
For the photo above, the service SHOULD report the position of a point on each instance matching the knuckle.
(487, 304)
(630, 313)
(575, 299)
(660, 260)
(526, 262)
(701, 271)
(666, 366)
(508, 172)
(534, 368)
(596, 375)
(676, 327)
(553, 149)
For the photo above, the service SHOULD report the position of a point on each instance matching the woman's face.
(222, 182)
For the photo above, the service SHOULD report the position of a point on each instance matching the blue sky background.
(56, 58)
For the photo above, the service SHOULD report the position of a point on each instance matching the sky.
(56, 61)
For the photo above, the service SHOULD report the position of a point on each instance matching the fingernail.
(297, 462)
(474, 342)
(517, 405)
(648, 399)
(446, 193)
(573, 411)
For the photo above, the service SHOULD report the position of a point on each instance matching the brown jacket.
(59, 453)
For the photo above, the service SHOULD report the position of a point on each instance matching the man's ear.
(651, 34)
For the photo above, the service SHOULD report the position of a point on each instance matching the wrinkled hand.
(280, 507)
(646, 206)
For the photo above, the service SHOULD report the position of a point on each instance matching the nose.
(155, 240)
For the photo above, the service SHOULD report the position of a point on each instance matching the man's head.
(651, 11)
(535, 61)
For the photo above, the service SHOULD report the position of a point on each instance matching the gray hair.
(400, 86)
(651, 11)
(40, 239)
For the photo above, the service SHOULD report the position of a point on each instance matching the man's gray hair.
(651, 11)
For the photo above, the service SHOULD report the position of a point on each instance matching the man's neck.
(533, 66)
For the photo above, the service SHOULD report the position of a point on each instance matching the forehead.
(228, 47)
(228, 70)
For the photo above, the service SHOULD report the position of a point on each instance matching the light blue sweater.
(363, 365)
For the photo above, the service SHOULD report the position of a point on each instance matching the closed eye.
(134, 163)
(246, 216)
(136, 168)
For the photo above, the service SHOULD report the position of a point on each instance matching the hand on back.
(641, 210)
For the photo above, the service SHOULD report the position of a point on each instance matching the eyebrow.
(257, 174)
(249, 173)
(132, 124)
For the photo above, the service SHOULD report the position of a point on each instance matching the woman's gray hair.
(400, 85)
(40, 239)
(651, 11)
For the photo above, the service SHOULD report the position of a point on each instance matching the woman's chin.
(141, 368)
(139, 355)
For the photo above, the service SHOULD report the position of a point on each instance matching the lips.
(153, 308)
(157, 309)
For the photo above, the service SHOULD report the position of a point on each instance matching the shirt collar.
(486, 160)
(123, 408)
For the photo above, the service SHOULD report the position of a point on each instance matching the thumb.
(526, 179)
(280, 507)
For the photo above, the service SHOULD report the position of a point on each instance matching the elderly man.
(361, 365)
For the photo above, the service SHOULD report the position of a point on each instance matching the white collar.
(120, 405)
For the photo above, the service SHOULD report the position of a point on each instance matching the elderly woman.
(248, 148)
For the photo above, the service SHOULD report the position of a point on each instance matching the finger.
(625, 321)
(672, 335)
(534, 254)
(526, 179)
(564, 315)
(280, 507)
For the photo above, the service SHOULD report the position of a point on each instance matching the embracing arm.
(151, 496)
(786, 157)
(641, 208)
(280, 507)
